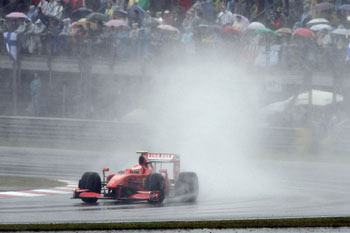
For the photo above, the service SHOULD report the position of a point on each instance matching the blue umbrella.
(345, 7)
(138, 9)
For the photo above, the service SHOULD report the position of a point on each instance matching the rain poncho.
(51, 8)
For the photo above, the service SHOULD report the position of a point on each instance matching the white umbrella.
(244, 19)
(320, 27)
(317, 21)
(319, 98)
(341, 31)
(255, 25)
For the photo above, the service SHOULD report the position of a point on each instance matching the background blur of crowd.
(292, 35)
(260, 31)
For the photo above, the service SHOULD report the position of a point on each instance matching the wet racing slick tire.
(187, 187)
(156, 182)
(92, 182)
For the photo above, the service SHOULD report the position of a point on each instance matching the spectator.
(324, 40)
(3, 28)
(109, 10)
(147, 21)
(51, 8)
(277, 19)
(39, 31)
(21, 27)
(43, 5)
(76, 4)
(35, 89)
(32, 13)
(168, 19)
(306, 16)
(159, 17)
(27, 39)
(136, 18)
(225, 16)
(67, 8)
(67, 27)
(59, 10)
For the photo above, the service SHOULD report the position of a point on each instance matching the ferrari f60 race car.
(156, 177)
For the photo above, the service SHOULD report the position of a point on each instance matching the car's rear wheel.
(156, 182)
(92, 182)
(187, 187)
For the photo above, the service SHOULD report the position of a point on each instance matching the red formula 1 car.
(155, 177)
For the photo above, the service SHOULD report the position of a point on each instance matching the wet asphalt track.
(308, 189)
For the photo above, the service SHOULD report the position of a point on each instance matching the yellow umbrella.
(84, 23)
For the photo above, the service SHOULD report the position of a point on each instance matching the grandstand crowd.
(140, 28)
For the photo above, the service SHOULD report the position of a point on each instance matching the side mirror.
(106, 169)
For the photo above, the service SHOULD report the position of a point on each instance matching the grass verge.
(220, 224)
(11, 183)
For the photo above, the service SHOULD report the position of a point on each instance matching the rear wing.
(163, 158)
(160, 157)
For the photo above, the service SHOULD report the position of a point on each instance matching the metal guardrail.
(91, 132)
(69, 131)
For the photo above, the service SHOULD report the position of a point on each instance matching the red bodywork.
(130, 184)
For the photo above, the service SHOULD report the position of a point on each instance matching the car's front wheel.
(92, 182)
(156, 182)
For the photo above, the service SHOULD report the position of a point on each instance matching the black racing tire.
(92, 182)
(187, 187)
(156, 182)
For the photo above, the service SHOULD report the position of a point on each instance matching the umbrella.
(121, 13)
(138, 9)
(323, 6)
(231, 29)
(317, 21)
(282, 31)
(168, 28)
(319, 98)
(304, 32)
(244, 19)
(84, 22)
(81, 12)
(115, 23)
(345, 7)
(341, 31)
(265, 30)
(255, 25)
(17, 15)
(320, 27)
(97, 16)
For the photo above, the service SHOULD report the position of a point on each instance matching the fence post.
(14, 88)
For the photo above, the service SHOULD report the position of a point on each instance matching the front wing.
(140, 195)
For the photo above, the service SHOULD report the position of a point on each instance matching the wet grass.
(13, 183)
(222, 224)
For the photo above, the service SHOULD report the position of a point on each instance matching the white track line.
(20, 194)
(50, 191)
(42, 192)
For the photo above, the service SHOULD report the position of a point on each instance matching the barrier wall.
(113, 133)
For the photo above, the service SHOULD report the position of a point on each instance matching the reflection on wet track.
(306, 189)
